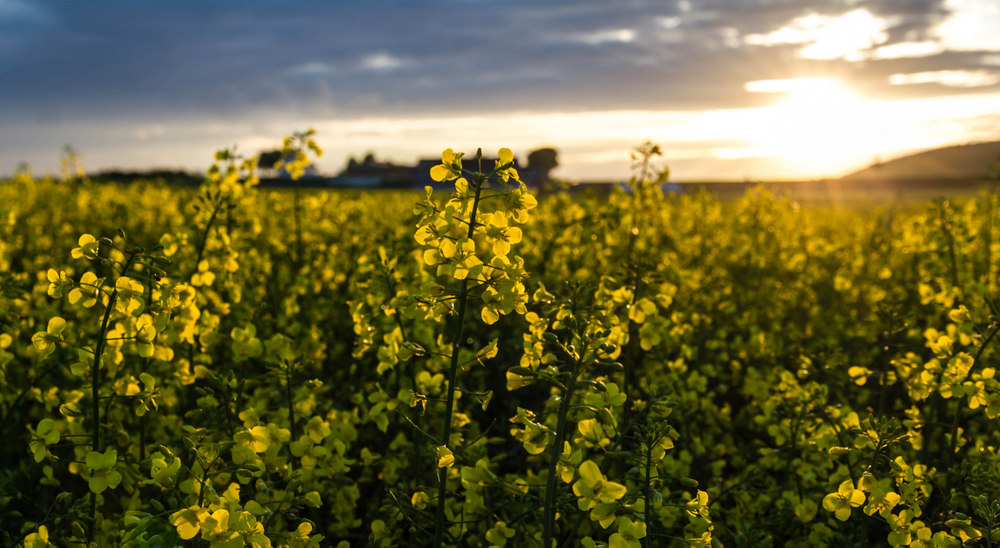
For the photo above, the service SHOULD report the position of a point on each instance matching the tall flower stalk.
(471, 249)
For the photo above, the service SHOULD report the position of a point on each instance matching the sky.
(730, 89)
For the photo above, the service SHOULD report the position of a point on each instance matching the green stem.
(291, 406)
(953, 266)
(439, 521)
(204, 478)
(648, 506)
(95, 384)
(548, 516)
(296, 207)
(204, 236)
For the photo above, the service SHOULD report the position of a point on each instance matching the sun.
(821, 127)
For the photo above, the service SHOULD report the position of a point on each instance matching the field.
(228, 366)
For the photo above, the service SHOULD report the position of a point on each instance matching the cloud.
(337, 56)
(606, 36)
(908, 49)
(381, 61)
(972, 25)
(146, 132)
(950, 78)
(312, 68)
(137, 64)
(784, 85)
(848, 36)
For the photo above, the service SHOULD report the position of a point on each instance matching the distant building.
(370, 173)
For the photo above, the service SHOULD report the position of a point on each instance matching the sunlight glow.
(814, 128)
(784, 85)
(822, 126)
(847, 36)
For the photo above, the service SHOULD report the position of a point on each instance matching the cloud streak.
(121, 64)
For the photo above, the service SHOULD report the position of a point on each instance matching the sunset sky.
(731, 89)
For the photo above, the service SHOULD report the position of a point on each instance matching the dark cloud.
(65, 60)
(227, 56)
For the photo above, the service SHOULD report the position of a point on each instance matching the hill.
(972, 162)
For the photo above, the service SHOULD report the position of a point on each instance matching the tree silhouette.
(268, 158)
(543, 158)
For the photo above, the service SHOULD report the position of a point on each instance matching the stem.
(951, 244)
(647, 507)
(95, 396)
(296, 207)
(142, 437)
(452, 374)
(204, 478)
(548, 516)
(95, 370)
(291, 407)
(204, 236)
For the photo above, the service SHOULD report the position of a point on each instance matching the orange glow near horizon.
(822, 126)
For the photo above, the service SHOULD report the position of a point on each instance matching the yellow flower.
(145, 333)
(698, 506)
(518, 203)
(841, 502)
(593, 488)
(188, 521)
(604, 513)
(254, 439)
(445, 457)
(499, 534)
(506, 159)
(628, 534)
(44, 436)
(38, 539)
(450, 166)
(499, 235)
(44, 341)
(163, 469)
(87, 247)
(58, 282)
(102, 472)
(87, 292)
(129, 293)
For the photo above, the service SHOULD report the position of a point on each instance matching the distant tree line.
(169, 176)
